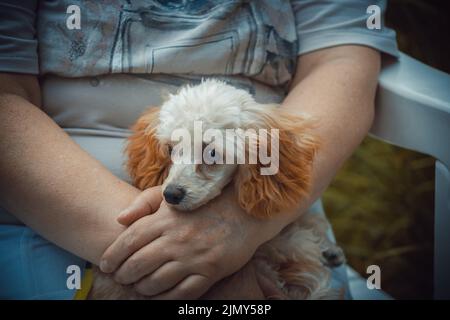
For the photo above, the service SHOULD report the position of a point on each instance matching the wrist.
(257, 230)
(260, 230)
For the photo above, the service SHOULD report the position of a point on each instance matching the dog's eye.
(169, 149)
(212, 153)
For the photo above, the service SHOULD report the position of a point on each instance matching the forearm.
(336, 87)
(53, 186)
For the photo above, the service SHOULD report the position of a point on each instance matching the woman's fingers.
(143, 262)
(163, 279)
(192, 287)
(147, 202)
(136, 236)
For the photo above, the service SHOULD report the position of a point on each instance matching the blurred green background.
(381, 201)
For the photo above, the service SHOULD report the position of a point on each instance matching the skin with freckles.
(74, 201)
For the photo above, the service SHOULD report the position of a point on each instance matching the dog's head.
(204, 119)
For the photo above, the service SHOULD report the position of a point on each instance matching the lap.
(34, 268)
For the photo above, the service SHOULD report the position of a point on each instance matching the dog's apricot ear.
(266, 195)
(148, 161)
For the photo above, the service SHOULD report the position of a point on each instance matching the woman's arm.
(337, 87)
(49, 182)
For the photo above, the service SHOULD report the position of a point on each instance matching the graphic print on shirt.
(250, 38)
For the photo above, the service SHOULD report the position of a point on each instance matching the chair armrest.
(413, 108)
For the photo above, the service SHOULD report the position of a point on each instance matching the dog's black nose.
(173, 194)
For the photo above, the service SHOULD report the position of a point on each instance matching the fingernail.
(104, 266)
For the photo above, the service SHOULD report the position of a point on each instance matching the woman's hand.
(172, 254)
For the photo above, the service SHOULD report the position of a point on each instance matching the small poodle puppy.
(192, 173)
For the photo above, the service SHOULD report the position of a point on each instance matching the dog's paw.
(333, 256)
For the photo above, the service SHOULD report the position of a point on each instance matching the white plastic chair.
(413, 112)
